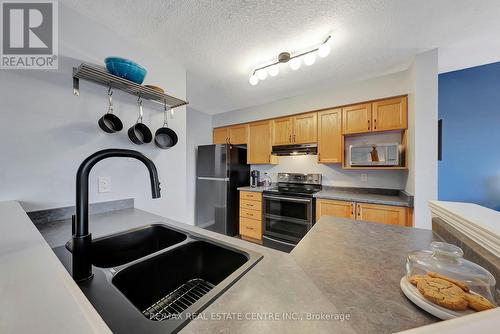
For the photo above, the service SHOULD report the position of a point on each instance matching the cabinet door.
(220, 136)
(305, 128)
(282, 131)
(389, 114)
(238, 134)
(357, 118)
(385, 214)
(259, 143)
(329, 136)
(328, 207)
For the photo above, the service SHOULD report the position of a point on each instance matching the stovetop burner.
(294, 184)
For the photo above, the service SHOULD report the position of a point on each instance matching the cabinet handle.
(352, 208)
(359, 210)
(290, 138)
(368, 124)
(375, 124)
(294, 139)
(249, 228)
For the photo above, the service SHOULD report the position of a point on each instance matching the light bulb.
(262, 74)
(295, 63)
(273, 70)
(253, 80)
(309, 59)
(324, 50)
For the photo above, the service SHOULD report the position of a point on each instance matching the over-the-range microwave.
(387, 154)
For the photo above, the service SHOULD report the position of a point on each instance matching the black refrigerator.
(220, 170)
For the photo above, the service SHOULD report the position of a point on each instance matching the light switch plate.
(104, 184)
(364, 177)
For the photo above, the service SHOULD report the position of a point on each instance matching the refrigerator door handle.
(213, 178)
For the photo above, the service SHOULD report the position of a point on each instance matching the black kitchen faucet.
(82, 239)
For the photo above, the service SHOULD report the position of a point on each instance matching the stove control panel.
(299, 178)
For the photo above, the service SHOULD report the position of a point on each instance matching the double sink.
(157, 278)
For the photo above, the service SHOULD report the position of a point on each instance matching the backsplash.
(333, 174)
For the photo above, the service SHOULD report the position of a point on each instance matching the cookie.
(415, 278)
(478, 303)
(443, 293)
(458, 283)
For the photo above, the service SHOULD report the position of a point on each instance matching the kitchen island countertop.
(342, 268)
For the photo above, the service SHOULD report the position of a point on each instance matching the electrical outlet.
(104, 184)
(364, 177)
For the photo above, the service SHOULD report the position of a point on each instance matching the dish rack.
(178, 300)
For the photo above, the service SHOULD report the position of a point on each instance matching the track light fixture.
(295, 62)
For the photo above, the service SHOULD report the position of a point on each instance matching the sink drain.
(178, 300)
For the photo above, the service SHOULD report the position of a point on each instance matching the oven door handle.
(279, 241)
(288, 199)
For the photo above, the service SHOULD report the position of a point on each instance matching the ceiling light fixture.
(295, 62)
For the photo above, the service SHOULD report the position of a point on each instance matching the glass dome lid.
(447, 259)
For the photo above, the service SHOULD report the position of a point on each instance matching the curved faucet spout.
(82, 267)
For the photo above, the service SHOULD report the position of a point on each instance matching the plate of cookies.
(442, 296)
(443, 283)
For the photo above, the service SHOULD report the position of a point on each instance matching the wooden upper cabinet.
(390, 114)
(220, 135)
(259, 143)
(385, 214)
(282, 129)
(238, 134)
(330, 136)
(305, 128)
(329, 207)
(357, 118)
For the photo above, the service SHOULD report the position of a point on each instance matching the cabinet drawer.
(256, 215)
(250, 205)
(250, 196)
(251, 228)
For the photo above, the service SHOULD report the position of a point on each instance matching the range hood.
(303, 149)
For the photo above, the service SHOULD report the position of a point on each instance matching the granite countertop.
(37, 293)
(342, 268)
(367, 195)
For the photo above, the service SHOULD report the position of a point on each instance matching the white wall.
(336, 95)
(333, 175)
(45, 131)
(423, 135)
(199, 132)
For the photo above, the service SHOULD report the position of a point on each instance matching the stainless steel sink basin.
(155, 278)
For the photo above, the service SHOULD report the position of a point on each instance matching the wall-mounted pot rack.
(100, 76)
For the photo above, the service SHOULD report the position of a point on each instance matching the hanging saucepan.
(165, 137)
(110, 123)
(139, 133)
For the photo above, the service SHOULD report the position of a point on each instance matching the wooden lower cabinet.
(326, 207)
(251, 216)
(384, 214)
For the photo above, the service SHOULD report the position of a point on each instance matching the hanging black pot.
(165, 137)
(139, 133)
(110, 123)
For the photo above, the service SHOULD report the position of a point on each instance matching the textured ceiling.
(220, 42)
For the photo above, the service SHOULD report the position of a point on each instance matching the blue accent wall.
(469, 104)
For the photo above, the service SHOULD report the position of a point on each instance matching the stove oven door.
(287, 218)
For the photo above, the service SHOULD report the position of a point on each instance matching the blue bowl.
(126, 69)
